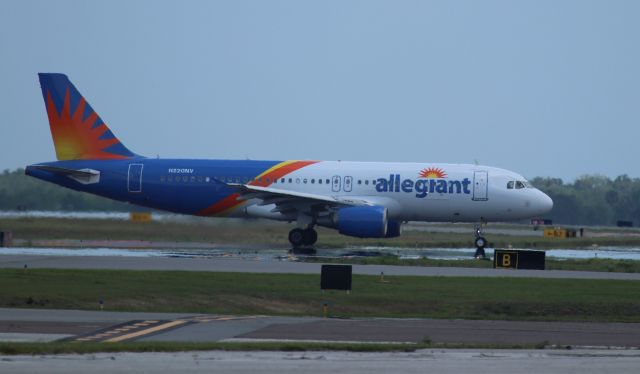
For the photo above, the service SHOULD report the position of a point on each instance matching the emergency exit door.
(336, 183)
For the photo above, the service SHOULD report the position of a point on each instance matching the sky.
(543, 88)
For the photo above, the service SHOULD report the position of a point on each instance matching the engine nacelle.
(393, 229)
(362, 221)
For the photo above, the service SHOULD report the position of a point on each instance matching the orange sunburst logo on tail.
(76, 137)
(433, 173)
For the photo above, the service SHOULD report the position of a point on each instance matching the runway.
(219, 264)
(101, 326)
(615, 341)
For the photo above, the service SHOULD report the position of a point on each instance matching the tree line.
(589, 200)
(21, 192)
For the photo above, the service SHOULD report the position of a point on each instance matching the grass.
(85, 348)
(299, 295)
(594, 264)
(221, 231)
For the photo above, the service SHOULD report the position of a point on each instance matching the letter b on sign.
(505, 259)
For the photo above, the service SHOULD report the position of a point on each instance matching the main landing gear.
(480, 242)
(302, 237)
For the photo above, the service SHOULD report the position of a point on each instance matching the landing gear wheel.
(296, 237)
(480, 242)
(309, 237)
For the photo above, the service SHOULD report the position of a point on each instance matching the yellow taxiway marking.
(146, 331)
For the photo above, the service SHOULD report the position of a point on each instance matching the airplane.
(359, 199)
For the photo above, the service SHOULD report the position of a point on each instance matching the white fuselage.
(418, 191)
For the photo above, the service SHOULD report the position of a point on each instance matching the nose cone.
(544, 204)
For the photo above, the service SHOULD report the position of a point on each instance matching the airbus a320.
(359, 199)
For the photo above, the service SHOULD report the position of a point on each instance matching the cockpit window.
(518, 185)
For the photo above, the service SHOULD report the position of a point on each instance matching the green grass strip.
(594, 264)
(300, 295)
(85, 348)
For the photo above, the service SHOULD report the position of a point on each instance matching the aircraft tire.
(309, 237)
(480, 242)
(296, 237)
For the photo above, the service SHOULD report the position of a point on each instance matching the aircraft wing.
(288, 202)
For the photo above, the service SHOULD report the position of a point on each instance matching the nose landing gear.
(480, 242)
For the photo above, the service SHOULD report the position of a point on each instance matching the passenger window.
(366, 182)
(359, 181)
(193, 179)
(207, 179)
(162, 179)
(282, 180)
(319, 181)
(185, 179)
(313, 181)
(510, 185)
(304, 181)
(326, 181)
(170, 178)
(298, 180)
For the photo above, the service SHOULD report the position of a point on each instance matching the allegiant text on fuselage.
(422, 187)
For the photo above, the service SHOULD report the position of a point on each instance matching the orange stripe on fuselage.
(263, 180)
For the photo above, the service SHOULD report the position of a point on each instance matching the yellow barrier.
(559, 233)
(140, 217)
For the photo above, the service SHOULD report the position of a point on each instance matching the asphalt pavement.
(221, 264)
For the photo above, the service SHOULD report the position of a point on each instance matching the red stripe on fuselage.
(263, 180)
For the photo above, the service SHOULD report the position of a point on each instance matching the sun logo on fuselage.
(433, 173)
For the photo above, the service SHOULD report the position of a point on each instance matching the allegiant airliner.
(360, 199)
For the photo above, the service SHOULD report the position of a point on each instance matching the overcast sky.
(544, 88)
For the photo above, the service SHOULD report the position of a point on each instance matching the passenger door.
(134, 178)
(480, 186)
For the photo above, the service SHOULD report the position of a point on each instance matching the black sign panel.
(335, 277)
(519, 259)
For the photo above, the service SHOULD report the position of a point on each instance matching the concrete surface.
(423, 361)
(256, 266)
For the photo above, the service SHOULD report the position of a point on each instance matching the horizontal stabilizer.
(84, 176)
